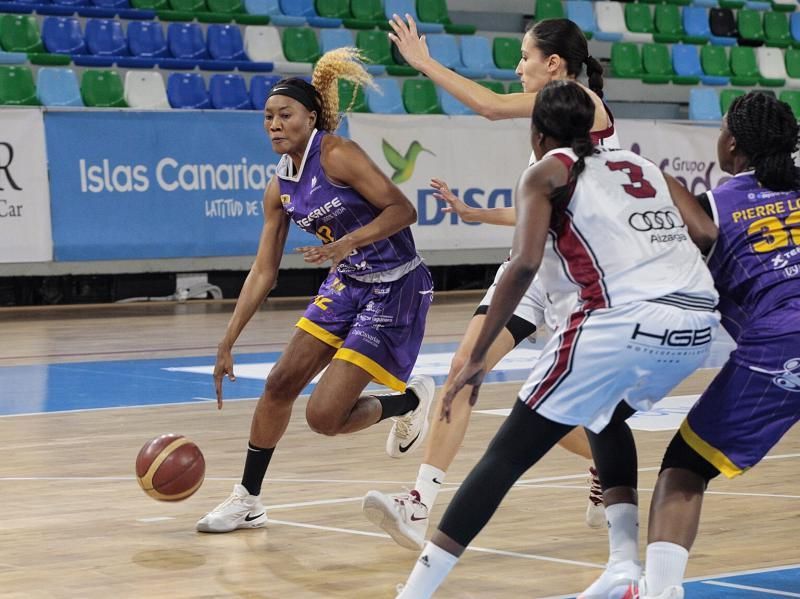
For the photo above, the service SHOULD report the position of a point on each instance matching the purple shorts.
(753, 400)
(376, 326)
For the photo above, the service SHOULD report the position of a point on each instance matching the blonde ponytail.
(342, 63)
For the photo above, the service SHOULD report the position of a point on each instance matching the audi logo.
(658, 220)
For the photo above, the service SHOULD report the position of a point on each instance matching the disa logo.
(403, 165)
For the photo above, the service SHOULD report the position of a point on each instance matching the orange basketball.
(170, 467)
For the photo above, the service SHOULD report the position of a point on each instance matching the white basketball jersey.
(621, 239)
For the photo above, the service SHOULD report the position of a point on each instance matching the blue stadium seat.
(63, 35)
(704, 105)
(387, 99)
(331, 39)
(229, 92)
(260, 86)
(71, 2)
(111, 3)
(476, 53)
(451, 105)
(794, 26)
(13, 57)
(686, 61)
(306, 9)
(581, 12)
(695, 22)
(403, 7)
(185, 40)
(444, 48)
(58, 87)
(187, 90)
(272, 9)
(146, 38)
(225, 42)
(104, 37)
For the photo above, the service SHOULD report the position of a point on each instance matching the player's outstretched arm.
(701, 228)
(491, 216)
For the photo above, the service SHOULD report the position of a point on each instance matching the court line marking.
(477, 549)
(744, 587)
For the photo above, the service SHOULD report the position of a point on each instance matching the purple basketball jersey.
(330, 212)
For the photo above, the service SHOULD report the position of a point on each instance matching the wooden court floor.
(75, 524)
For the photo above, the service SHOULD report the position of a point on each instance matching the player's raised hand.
(454, 203)
(413, 47)
(471, 374)
(222, 367)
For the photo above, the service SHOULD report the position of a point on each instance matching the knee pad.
(680, 455)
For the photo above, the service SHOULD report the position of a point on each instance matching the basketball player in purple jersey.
(755, 398)
(368, 320)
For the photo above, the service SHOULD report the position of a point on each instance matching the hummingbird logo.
(403, 165)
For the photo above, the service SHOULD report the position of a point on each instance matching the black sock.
(397, 404)
(255, 467)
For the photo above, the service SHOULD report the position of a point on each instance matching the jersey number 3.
(639, 187)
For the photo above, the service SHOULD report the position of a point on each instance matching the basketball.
(170, 467)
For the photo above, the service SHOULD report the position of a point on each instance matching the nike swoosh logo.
(415, 519)
(436, 481)
(249, 518)
(407, 447)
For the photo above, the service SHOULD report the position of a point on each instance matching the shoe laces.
(402, 426)
(595, 490)
(410, 498)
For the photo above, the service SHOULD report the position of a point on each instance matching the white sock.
(665, 566)
(429, 483)
(623, 532)
(432, 567)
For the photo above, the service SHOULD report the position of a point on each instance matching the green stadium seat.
(435, 11)
(190, 6)
(506, 52)
(751, 29)
(792, 98)
(20, 33)
(745, 69)
(715, 61)
(226, 7)
(792, 58)
(366, 14)
(657, 64)
(334, 9)
(515, 87)
(732, 4)
(419, 97)
(784, 5)
(150, 4)
(726, 96)
(495, 86)
(300, 44)
(626, 62)
(638, 18)
(17, 87)
(548, 9)
(376, 47)
(49, 60)
(776, 30)
(102, 89)
(175, 15)
(359, 104)
(668, 24)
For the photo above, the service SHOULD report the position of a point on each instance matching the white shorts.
(530, 307)
(634, 353)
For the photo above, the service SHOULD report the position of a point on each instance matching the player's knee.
(323, 421)
(680, 455)
(281, 385)
(459, 361)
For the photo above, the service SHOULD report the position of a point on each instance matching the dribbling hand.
(471, 374)
(223, 366)
(413, 47)
(335, 252)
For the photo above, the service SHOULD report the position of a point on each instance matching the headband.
(297, 93)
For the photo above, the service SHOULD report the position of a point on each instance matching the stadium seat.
(331, 39)
(581, 12)
(745, 67)
(102, 88)
(476, 53)
(722, 23)
(451, 105)
(771, 65)
(229, 92)
(263, 44)
(715, 65)
(146, 38)
(495, 86)
(185, 40)
(792, 63)
(403, 7)
(668, 25)
(226, 7)
(420, 97)
(187, 90)
(386, 98)
(375, 46)
(784, 5)
(610, 21)
(260, 86)
(334, 9)
(225, 42)
(751, 28)
(776, 30)
(639, 18)
(13, 58)
(58, 87)
(300, 44)
(506, 52)
(695, 24)
(444, 48)
(548, 9)
(104, 37)
(17, 87)
(63, 35)
(657, 66)
(686, 64)
(192, 6)
(150, 4)
(20, 33)
(515, 88)
(111, 3)
(626, 62)
(704, 105)
(271, 9)
(145, 90)
(298, 8)
(794, 28)
(792, 98)
(726, 96)
(368, 11)
(347, 103)
(435, 11)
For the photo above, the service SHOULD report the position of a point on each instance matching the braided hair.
(766, 133)
(564, 112)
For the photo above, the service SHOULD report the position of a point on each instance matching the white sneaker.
(403, 516)
(240, 510)
(595, 511)
(409, 430)
(638, 591)
(615, 582)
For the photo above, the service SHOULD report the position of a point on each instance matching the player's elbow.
(410, 214)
